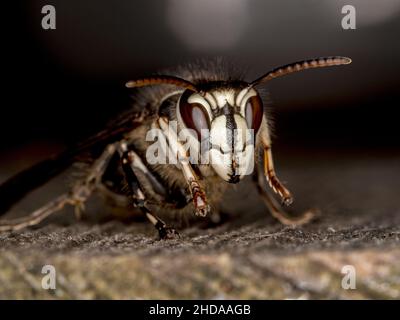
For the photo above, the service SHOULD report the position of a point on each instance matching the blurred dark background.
(337, 148)
(62, 85)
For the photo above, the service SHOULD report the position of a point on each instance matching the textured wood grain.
(248, 255)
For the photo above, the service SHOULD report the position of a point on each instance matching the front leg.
(198, 195)
(273, 206)
(269, 170)
(273, 180)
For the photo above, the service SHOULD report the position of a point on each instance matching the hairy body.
(195, 97)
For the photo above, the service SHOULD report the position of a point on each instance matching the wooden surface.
(249, 255)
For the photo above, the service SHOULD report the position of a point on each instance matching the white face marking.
(194, 98)
(228, 161)
(246, 161)
(197, 98)
(244, 148)
(221, 163)
(224, 96)
(240, 95)
(232, 144)
(241, 137)
(210, 98)
(218, 134)
(243, 101)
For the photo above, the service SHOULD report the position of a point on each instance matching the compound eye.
(254, 113)
(194, 116)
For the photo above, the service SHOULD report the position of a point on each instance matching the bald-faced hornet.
(215, 108)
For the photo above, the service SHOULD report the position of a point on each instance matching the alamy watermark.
(349, 280)
(49, 280)
(349, 18)
(49, 18)
(214, 148)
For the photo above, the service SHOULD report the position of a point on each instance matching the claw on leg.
(283, 217)
(129, 162)
(199, 199)
(79, 208)
(165, 232)
(273, 180)
(168, 233)
(268, 173)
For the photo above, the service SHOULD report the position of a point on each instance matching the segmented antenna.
(300, 66)
(149, 81)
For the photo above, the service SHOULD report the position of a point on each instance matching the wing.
(19, 185)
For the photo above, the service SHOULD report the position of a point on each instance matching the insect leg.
(274, 207)
(37, 216)
(131, 161)
(199, 196)
(79, 193)
(273, 180)
(82, 189)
